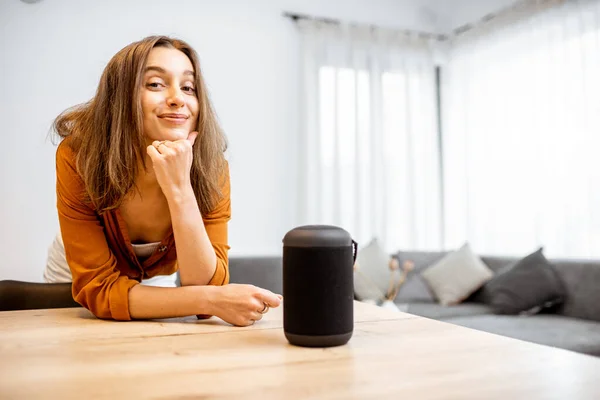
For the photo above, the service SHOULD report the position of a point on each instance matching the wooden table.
(67, 353)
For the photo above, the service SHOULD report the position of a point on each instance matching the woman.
(143, 191)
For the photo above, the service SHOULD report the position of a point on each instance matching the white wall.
(52, 54)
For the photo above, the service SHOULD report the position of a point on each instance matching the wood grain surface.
(67, 353)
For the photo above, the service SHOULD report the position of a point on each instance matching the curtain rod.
(409, 33)
(515, 8)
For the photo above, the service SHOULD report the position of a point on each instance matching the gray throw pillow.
(530, 285)
(481, 295)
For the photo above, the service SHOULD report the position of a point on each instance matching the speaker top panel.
(317, 236)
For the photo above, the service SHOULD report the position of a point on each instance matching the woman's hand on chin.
(172, 161)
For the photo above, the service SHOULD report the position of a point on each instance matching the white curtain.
(521, 128)
(369, 147)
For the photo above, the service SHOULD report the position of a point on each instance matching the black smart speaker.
(318, 286)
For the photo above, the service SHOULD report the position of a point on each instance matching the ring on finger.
(162, 142)
(265, 309)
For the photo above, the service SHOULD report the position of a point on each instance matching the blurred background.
(420, 123)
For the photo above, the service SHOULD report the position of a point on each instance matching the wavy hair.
(106, 133)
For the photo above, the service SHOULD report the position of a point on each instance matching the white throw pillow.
(372, 272)
(456, 276)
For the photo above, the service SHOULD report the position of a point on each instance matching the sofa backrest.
(421, 259)
(581, 279)
(265, 272)
(582, 282)
(497, 263)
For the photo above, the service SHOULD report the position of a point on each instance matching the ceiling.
(451, 14)
(439, 16)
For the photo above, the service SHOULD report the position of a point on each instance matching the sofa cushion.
(551, 330)
(529, 286)
(437, 311)
(582, 282)
(456, 276)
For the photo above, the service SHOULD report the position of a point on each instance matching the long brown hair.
(107, 136)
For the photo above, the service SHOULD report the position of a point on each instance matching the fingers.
(165, 147)
(157, 143)
(269, 298)
(152, 152)
(249, 319)
(257, 310)
(256, 316)
(246, 304)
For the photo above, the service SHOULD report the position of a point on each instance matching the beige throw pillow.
(456, 276)
(371, 272)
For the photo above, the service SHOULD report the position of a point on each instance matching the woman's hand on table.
(242, 305)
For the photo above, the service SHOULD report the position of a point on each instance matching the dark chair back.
(17, 295)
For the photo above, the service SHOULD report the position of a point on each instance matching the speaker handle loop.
(354, 250)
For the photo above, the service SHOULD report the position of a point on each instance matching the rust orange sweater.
(99, 252)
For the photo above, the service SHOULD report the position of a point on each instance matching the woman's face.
(169, 102)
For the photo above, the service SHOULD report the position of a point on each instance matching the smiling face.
(168, 97)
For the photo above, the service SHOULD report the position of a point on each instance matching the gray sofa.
(574, 325)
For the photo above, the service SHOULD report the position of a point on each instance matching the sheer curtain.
(369, 146)
(521, 128)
